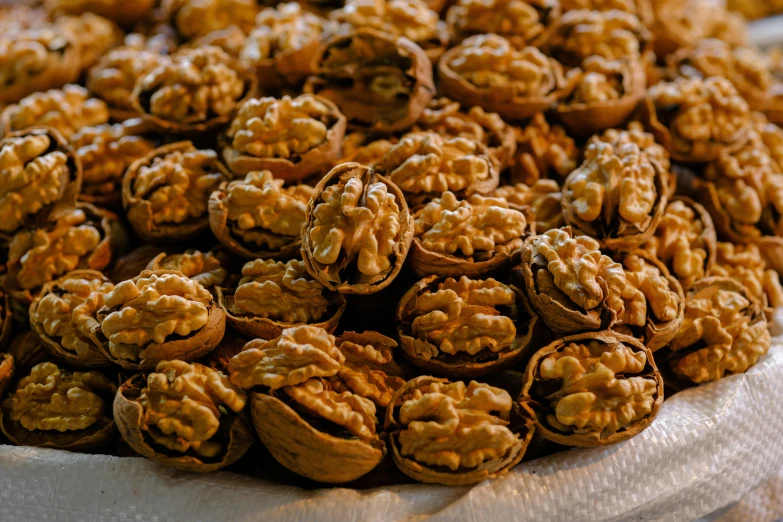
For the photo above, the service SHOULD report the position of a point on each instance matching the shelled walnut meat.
(358, 230)
(543, 198)
(273, 295)
(314, 417)
(94, 34)
(592, 389)
(117, 10)
(258, 217)
(744, 263)
(380, 82)
(158, 316)
(184, 415)
(521, 22)
(473, 237)
(455, 434)
(6, 371)
(465, 327)
(194, 18)
(54, 408)
(544, 151)
(205, 268)
(291, 137)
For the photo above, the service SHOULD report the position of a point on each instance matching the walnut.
(570, 283)
(358, 230)
(65, 314)
(543, 197)
(354, 413)
(55, 408)
(544, 152)
(112, 79)
(379, 81)
(93, 34)
(38, 171)
(617, 195)
(7, 368)
(256, 217)
(696, 119)
(593, 389)
(455, 434)
(653, 301)
(369, 369)
(106, 152)
(362, 147)
(117, 10)
(744, 263)
(67, 110)
(282, 44)
(195, 90)
(166, 193)
(470, 237)
(424, 164)
(272, 296)
(521, 22)
(683, 24)
(292, 137)
(194, 18)
(203, 268)
(185, 416)
(724, 332)
(159, 315)
(639, 8)
(684, 241)
(487, 70)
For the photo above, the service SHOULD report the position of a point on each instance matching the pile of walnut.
(445, 236)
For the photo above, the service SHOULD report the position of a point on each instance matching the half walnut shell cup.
(532, 397)
(100, 434)
(187, 348)
(520, 423)
(316, 160)
(266, 328)
(139, 210)
(324, 452)
(322, 273)
(95, 358)
(529, 329)
(234, 432)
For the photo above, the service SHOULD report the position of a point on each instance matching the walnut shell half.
(358, 230)
(440, 442)
(592, 389)
(487, 325)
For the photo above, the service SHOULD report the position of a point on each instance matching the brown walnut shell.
(534, 393)
(234, 431)
(139, 211)
(27, 351)
(6, 372)
(521, 424)
(6, 319)
(331, 276)
(465, 366)
(287, 68)
(339, 83)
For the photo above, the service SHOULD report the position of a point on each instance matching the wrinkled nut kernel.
(178, 185)
(627, 6)
(67, 110)
(354, 413)
(680, 243)
(582, 33)
(68, 313)
(543, 197)
(54, 399)
(28, 55)
(280, 291)
(722, 333)
(356, 147)
(33, 176)
(231, 40)
(194, 86)
(647, 293)
(545, 151)
(262, 212)
(42, 254)
(596, 81)
(112, 79)
(598, 392)
(182, 406)
(93, 34)
(772, 136)
(456, 426)
(300, 353)
(283, 29)
(106, 152)
(524, 22)
(369, 369)
(412, 19)
(635, 134)
(576, 271)
(150, 309)
(462, 316)
(428, 162)
(744, 263)
(196, 18)
(700, 114)
(469, 228)
(280, 128)
(203, 268)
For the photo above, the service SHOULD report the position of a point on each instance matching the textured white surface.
(707, 449)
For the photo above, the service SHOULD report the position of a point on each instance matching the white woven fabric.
(707, 449)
